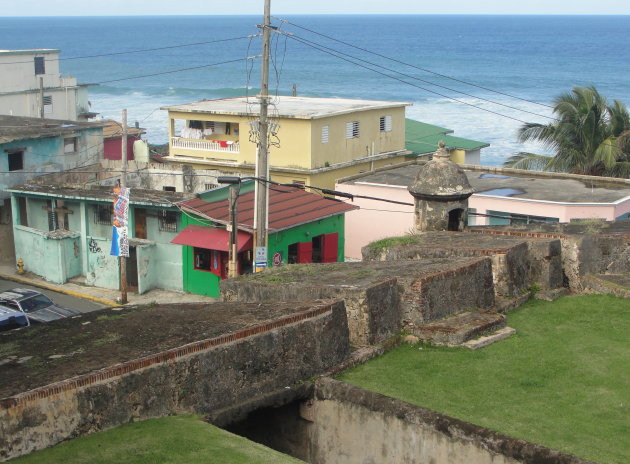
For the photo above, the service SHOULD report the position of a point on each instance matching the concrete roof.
(34, 51)
(21, 127)
(101, 193)
(524, 185)
(285, 107)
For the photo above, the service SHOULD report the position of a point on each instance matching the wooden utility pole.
(233, 258)
(262, 156)
(123, 184)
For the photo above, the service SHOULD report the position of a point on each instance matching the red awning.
(211, 238)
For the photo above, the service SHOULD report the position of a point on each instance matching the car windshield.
(35, 303)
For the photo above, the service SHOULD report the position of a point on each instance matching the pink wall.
(113, 148)
(376, 219)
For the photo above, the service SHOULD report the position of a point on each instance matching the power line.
(411, 65)
(142, 50)
(422, 80)
(408, 83)
(177, 70)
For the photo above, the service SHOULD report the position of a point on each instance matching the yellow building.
(314, 141)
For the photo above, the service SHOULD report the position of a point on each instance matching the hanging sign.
(120, 240)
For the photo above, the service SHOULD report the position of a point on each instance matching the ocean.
(481, 76)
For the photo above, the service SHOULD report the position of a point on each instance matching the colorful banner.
(120, 241)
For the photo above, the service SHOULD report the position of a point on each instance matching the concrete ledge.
(482, 342)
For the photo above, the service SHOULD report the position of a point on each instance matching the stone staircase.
(463, 327)
(613, 284)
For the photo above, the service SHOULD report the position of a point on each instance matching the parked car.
(35, 305)
(11, 318)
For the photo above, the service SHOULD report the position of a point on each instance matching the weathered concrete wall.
(199, 377)
(343, 423)
(594, 254)
(426, 298)
(382, 429)
(373, 311)
(380, 297)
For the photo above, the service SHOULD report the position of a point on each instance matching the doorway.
(455, 223)
(132, 270)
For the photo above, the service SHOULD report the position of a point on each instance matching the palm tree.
(588, 136)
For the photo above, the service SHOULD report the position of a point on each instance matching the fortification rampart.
(199, 377)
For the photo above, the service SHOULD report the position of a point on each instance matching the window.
(70, 145)
(352, 130)
(23, 211)
(16, 160)
(48, 104)
(168, 188)
(40, 67)
(385, 124)
(103, 214)
(324, 134)
(202, 259)
(167, 221)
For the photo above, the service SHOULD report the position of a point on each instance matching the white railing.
(204, 145)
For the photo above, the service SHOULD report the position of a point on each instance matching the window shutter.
(325, 134)
(352, 130)
(385, 123)
(305, 252)
(330, 247)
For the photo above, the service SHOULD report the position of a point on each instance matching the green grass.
(562, 381)
(395, 241)
(170, 440)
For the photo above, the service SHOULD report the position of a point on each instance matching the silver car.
(35, 305)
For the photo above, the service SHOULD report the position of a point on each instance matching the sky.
(284, 7)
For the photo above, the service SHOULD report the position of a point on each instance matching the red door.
(305, 252)
(330, 248)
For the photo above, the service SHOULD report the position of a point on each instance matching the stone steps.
(462, 327)
(613, 284)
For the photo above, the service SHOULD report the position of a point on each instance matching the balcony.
(205, 145)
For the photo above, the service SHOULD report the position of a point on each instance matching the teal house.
(303, 228)
(65, 232)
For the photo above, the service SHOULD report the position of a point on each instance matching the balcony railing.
(204, 145)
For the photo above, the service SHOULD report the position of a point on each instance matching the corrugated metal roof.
(21, 127)
(421, 137)
(288, 207)
(114, 129)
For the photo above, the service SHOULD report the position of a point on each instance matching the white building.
(31, 85)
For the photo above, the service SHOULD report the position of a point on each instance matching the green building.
(303, 228)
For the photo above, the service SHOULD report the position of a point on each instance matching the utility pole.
(233, 251)
(262, 157)
(123, 184)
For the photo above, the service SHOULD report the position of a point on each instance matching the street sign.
(260, 261)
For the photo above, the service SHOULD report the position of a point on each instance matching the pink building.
(112, 140)
(506, 196)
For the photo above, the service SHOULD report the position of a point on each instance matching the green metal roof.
(423, 138)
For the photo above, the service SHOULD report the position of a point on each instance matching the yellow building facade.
(313, 141)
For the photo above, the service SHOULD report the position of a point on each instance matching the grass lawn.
(562, 381)
(170, 440)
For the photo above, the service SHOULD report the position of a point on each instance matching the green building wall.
(207, 283)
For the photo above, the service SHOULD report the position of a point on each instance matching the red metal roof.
(288, 207)
(211, 238)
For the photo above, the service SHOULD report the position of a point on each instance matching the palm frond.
(529, 161)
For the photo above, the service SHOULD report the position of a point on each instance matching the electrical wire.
(411, 65)
(140, 51)
(422, 80)
(176, 70)
(408, 83)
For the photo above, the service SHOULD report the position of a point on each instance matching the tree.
(588, 135)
